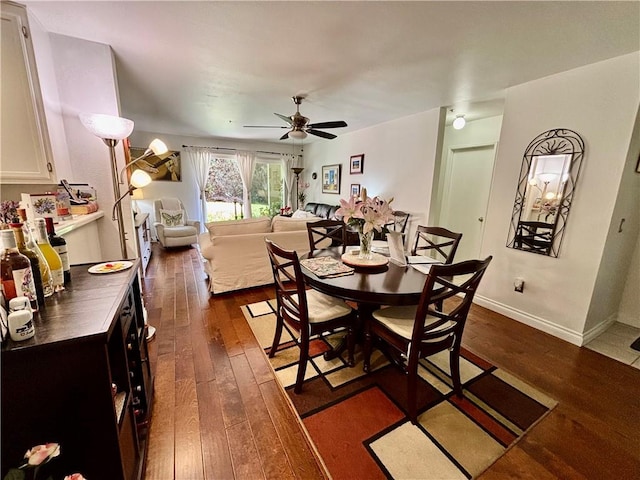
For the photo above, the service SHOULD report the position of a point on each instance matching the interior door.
(466, 195)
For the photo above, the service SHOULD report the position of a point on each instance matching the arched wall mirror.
(547, 182)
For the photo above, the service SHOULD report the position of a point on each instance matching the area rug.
(359, 424)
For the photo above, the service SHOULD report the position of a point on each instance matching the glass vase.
(366, 239)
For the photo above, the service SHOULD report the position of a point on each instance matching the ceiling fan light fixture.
(298, 134)
(459, 122)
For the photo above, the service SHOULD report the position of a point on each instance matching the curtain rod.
(234, 149)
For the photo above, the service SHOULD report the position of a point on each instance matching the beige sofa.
(235, 255)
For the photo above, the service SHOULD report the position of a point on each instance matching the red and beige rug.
(358, 422)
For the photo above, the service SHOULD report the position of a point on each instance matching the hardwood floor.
(219, 414)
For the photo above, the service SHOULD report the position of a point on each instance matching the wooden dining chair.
(436, 242)
(322, 230)
(398, 224)
(419, 331)
(308, 312)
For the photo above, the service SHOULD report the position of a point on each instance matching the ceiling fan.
(299, 125)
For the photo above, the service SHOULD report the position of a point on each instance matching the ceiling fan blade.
(285, 136)
(263, 126)
(318, 133)
(336, 124)
(286, 119)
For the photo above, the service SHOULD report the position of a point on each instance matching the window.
(224, 189)
(267, 189)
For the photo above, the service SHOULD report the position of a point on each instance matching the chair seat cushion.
(323, 308)
(181, 231)
(400, 320)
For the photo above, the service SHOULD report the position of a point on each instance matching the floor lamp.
(297, 171)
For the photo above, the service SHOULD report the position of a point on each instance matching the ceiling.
(206, 69)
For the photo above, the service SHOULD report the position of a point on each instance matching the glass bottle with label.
(29, 238)
(16, 272)
(59, 244)
(33, 260)
(50, 255)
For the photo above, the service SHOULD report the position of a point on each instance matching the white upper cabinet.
(25, 149)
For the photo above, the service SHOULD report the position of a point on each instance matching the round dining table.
(390, 284)
(369, 287)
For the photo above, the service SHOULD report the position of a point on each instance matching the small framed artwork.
(355, 189)
(356, 164)
(331, 179)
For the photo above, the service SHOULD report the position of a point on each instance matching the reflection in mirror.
(548, 176)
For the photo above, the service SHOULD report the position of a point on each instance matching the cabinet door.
(25, 149)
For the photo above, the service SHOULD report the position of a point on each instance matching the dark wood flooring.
(219, 413)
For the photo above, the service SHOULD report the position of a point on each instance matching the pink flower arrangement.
(35, 458)
(366, 214)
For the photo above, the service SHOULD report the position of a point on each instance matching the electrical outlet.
(518, 284)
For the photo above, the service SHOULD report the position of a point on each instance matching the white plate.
(110, 267)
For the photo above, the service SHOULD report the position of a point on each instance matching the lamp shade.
(140, 178)
(107, 126)
(158, 147)
(298, 134)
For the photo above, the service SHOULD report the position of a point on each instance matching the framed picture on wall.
(168, 164)
(356, 164)
(355, 189)
(331, 179)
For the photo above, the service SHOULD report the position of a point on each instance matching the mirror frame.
(547, 241)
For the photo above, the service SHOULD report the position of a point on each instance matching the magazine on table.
(326, 267)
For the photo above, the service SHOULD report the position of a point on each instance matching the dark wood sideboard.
(57, 386)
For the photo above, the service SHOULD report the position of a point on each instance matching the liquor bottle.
(33, 260)
(29, 237)
(59, 244)
(15, 270)
(50, 255)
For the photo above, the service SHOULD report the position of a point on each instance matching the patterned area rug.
(359, 425)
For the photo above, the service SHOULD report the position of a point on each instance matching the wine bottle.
(50, 255)
(59, 244)
(33, 260)
(29, 237)
(16, 272)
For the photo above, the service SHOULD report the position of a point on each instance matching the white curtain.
(288, 161)
(199, 158)
(246, 163)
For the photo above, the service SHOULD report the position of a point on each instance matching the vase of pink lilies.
(365, 215)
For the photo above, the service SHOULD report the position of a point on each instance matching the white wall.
(622, 236)
(86, 78)
(600, 102)
(399, 161)
(187, 189)
(629, 312)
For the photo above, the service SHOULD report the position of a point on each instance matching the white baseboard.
(598, 329)
(539, 323)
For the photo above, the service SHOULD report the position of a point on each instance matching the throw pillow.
(286, 224)
(240, 227)
(302, 214)
(172, 218)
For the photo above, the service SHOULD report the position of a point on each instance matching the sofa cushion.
(240, 227)
(322, 210)
(287, 224)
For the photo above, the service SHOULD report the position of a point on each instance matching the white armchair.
(173, 229)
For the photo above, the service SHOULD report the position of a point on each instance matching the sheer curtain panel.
(246, 163)
(288, 161)
(199, 158)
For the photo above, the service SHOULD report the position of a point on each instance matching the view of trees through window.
(224, 190)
